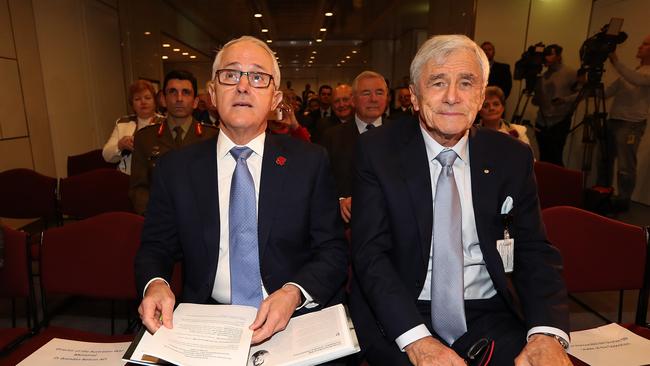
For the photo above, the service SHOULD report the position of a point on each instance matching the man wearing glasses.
(253, 216)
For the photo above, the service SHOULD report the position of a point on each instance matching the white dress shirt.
(362, 126)
(477, 281)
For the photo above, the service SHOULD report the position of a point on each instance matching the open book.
(219, 334)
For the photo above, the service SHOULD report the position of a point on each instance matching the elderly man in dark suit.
(499, 72)
(343, 111)
(370, 95)
(253, 216)
(445, 216)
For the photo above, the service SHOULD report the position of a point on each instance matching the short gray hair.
(440, 47)
(367, 75)
(276, 67)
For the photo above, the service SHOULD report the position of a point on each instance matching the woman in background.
(491, 113)
(119, 146)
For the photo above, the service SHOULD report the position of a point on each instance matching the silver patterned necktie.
(447, 300)
(245, 279)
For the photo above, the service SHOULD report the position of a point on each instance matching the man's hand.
(274, 312)
(345, 205)
(157, 306)
(125, 143)
(429, 351)
(542, 350)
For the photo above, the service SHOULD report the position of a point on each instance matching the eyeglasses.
(480, 353)
(256, 79)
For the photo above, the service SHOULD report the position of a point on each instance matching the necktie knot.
(178, 140)
(370, 126)
(447, 158)
(242, 152)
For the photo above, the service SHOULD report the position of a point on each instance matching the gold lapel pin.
(486, 171)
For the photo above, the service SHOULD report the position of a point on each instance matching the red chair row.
(601, 254)
(25, 193)
(91, 258)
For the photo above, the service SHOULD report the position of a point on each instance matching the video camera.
(596, 49)
(530, 65)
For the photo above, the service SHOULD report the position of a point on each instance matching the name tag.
(506, 248)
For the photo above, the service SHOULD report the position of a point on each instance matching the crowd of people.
(254, 193)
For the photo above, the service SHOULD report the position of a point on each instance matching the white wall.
(82, 70)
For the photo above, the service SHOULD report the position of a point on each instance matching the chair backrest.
(92, 257)
(599, 254)
(14, 274)
(86, 162)
(558, 186)
(95, 192)
(26, 194)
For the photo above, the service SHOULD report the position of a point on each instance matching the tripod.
(517, 116)
(593, 123)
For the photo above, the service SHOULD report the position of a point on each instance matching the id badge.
(506, 248)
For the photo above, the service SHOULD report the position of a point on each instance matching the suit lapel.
(485, 190)
(203, 180)
(271, 184)
(415, 173)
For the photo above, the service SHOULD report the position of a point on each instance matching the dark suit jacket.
(392, 228)
(325, 124)
(340, 142)
(300, 231)
(500, 76)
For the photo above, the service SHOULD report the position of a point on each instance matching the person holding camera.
(627, 121)
(554, 95)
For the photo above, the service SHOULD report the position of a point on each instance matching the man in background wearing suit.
(253, 216)
(499, 72)
(342, 108)
(428, 201)
(370, 95)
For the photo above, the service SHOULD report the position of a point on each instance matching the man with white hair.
(370, 97)
(446, 220)
(253, 216)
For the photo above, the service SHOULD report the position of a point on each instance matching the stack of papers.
(610, 345)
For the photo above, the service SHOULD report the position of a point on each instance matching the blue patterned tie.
(447, 300)
(245, 279)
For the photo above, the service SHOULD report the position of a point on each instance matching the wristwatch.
(563, 342)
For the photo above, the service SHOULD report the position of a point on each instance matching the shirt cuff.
(412, 335)
(309, 301)
(548, 330)
(149, 283)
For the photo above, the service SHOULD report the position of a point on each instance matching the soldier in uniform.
(177, 130)
(119, 146)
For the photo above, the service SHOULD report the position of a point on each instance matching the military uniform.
(125, 126)
(151, 143)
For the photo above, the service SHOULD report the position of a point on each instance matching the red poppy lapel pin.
(280, 160)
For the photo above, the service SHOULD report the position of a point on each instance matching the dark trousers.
(551, 141)
(489, 318)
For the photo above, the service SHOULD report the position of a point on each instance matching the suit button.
(417, 284)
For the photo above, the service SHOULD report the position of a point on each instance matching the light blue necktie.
(245, 279)
(447, 302)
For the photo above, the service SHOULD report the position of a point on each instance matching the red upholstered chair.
(26, 194)
(94, 192)
(92, 258)
(15, 282)
(86, 162)
(600, 254)
(558, 186)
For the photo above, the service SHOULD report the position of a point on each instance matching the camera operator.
(555, 95)
(626, 124)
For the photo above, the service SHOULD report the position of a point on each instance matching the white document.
(309, 339)
(64, 352)
(219, 335)
(205, 335)
(610, 345)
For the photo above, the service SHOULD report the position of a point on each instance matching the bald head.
(342, 101)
